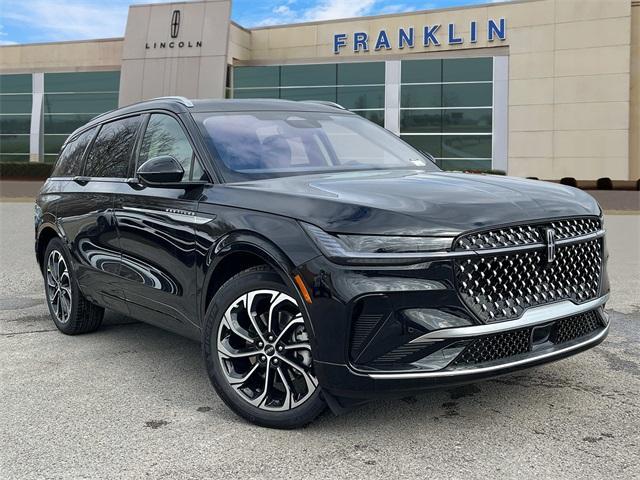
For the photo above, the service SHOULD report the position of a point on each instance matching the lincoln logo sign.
(432, 36)
(175, 31)
(175, 23)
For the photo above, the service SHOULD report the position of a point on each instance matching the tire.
(71, 312)
(245, 353)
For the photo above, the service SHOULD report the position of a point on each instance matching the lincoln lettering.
(172, 45)
(409, 37)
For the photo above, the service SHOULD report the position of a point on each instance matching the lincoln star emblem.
(551, 245)
(175, 23)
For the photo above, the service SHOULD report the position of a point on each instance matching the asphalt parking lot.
(133, 401)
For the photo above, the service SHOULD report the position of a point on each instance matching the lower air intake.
(516, 342)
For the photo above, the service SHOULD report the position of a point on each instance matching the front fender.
(258, 245)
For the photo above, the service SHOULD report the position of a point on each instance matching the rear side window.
(111, 151)
(70, 160)
(165, 136)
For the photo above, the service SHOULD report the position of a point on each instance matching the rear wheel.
(71, 312)
(258, 354)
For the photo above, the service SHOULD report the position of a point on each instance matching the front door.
(86, 216)
(157, 230)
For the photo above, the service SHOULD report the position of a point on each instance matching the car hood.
(401, 202)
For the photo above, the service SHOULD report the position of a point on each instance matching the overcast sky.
(29, 21)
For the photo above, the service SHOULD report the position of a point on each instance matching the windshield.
(256, 145)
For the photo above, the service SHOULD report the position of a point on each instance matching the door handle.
(81, 179)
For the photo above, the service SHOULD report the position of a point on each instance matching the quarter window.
(165, 136)
(70, 160)
(110, 153)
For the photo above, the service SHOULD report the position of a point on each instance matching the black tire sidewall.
(68, 327)
(249, 280)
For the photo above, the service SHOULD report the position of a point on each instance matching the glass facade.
(358, 87)
(15, 117)
(446, 109)
(71, 99)
(446, 105)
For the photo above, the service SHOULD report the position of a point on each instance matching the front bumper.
(344, 381)
(343, 370)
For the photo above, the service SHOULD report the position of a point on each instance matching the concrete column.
(392, 71)
(500, 128)
(36, 138)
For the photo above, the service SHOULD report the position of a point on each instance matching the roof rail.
(325, 103)
(103, 114)
(183, 100)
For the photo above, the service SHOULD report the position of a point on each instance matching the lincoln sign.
(432, 35)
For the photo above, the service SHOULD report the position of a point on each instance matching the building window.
(358, 87)
(446, 109)
(71, 99)
(15, 117)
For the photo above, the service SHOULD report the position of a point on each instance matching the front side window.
(111, 151)
(254, 145)
(70, 160)
(165, 136)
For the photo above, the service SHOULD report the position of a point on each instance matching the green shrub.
(25, 170)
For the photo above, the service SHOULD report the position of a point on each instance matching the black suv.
(318, 258)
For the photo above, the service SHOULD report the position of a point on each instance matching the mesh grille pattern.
(574, 327)
(495, 347)
(505, 237)
(516, 342)
(518, 235)
(575, 227)
(501, 287)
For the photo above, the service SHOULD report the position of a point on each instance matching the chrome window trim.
(532, 316)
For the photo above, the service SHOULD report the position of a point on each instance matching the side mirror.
(160, 170)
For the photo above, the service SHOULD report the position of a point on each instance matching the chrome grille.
(502, 286)
(504, 237)
(575, 227)
(518, 235)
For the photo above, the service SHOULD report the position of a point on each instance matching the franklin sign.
(432, 35)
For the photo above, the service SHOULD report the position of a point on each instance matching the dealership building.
(544, 88)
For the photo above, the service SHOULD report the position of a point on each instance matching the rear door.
(86, 216)
(157, 230)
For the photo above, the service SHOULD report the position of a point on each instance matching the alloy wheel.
(264, 351)
(59, 286)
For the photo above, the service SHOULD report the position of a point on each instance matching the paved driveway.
(133, 401)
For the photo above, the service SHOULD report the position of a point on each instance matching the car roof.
(265, 104)
(184, 105)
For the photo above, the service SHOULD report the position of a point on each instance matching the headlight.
(377, 249)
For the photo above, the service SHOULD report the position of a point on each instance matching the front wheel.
(257, 351)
